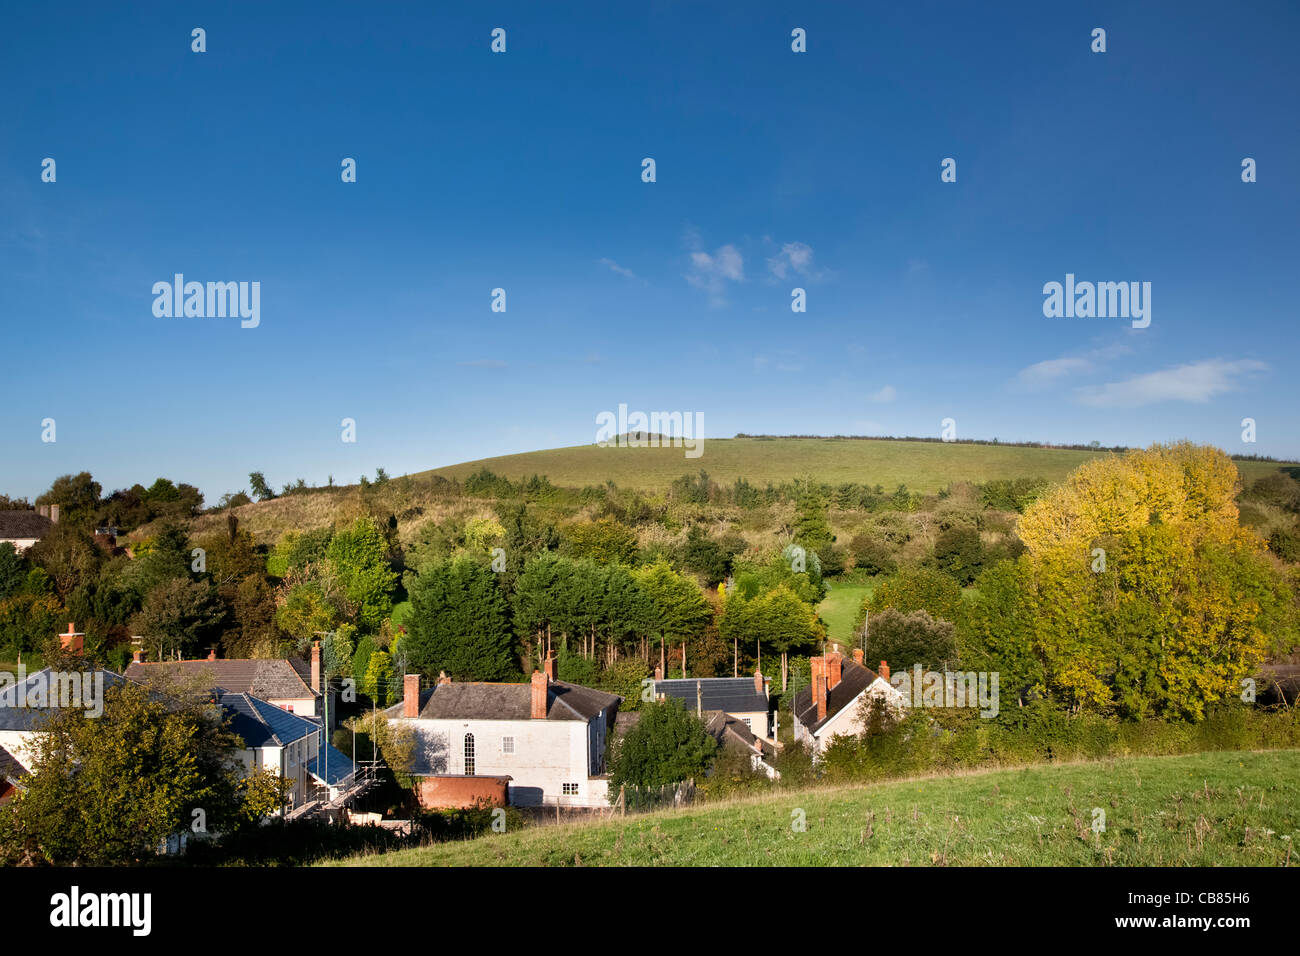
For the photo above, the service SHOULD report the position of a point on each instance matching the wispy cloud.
(1194, 382)
(614, 267)
(886, 394)
(1047, 373)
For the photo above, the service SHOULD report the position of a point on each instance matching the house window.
(749, 722)
(507, 745)
(569, 789)
(469, 755)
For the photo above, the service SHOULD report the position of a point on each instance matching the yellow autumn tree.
(1167, 484)
(1139, 593)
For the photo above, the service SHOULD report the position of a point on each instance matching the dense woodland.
(483, 579)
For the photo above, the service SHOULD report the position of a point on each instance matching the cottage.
(832, 705)
(291, 746)
(544, 741)
(748, 699)
(282, 682)
(23, 529)
(734, 734)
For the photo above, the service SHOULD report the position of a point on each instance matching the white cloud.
(712, 272)
(1194, 382)
(794, 256)
(886, 394)
(1049, 372)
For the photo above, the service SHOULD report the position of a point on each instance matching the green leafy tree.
(666, 746)
(459, 622)
(177, 757)
(179, 617)
(257, 482)
(908, 639)
(358, 557)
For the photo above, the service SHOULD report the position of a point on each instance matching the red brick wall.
(435, 793)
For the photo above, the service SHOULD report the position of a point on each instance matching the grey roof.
(729, 730)
(10, 768)
(854, 679)
(735, 695)
(26, 705)
(23, 524)
(262, 724)
(474, 701)
(270, 679)
(338, 766)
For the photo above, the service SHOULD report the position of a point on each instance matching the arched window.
(469, 755)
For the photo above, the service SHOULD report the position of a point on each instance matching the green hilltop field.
(923, 466)
(1209, 809)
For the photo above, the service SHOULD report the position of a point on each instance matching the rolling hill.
(922, 466)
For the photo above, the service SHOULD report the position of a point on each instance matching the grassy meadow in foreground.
(1213, 809)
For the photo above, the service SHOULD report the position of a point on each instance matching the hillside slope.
(1232, 808)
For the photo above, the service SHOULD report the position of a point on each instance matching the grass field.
(922, 466)
(1233, 809)
(840, 608)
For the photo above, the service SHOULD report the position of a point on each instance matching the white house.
(23, 529)
(833, 705)
(272, 737)
(547, 736)
(745, 698)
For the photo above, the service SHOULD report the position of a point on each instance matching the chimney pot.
(819, 686)
(834, 665)
(315, 666)
(538, 701)
(549, 667)
(443, 678)
(884, 669)
(137, 656)
(411, 695)
(212, 654)
(659, 673)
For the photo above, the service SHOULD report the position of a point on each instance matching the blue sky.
(522, 171)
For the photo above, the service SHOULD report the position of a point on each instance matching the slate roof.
(475, 701)
(735, 695)
(262, 724)
(270, 679)
(725, 729)
(338, 765)
(23, 524)
(16, 714)
(854, 679)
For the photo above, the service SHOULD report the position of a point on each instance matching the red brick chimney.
(819, 686)
(538, 711)
(659, 673)
(137, 656)
(212, 654)
(759, 686)
(411, 695)
(72, 642)
(443, 678)
(834, 664)
(884, 669)
(857, 656)
(549, 667)
(315, 666)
